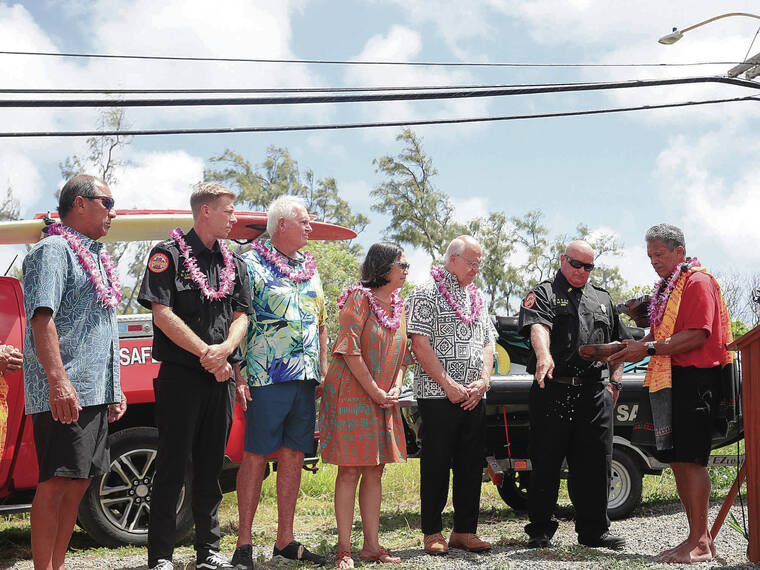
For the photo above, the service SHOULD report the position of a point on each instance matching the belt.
(574, 380)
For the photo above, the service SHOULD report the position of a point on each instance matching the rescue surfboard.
(133, 225)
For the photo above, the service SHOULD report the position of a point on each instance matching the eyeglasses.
(578, 264)
(108, 202)
(402, 264)
(473, 264)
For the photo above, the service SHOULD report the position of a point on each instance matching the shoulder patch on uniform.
(158, 262)
(529, 301)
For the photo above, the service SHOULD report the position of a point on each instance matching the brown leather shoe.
(468, 541)
(435, 544)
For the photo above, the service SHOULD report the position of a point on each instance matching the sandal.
(383, 556)
(298, 552)
(344, 560)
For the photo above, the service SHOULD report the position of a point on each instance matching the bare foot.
(670, 550)
(689, 551)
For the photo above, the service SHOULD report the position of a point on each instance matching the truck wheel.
(514, 489)
(116, 506)
(625, 484)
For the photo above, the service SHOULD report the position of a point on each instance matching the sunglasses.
(108, 202)
(402, 264)
(578, 264)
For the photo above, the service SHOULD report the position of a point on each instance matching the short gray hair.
(668, 234)
(458, 245)
(283, 207)
(82, 185)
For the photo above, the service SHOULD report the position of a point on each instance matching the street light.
(676, 35)
(750, 64)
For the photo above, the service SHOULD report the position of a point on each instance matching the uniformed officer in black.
(570, 403)
(196, 338)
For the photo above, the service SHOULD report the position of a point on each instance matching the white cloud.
(469, 208)
(160, 180)
(717, 205)
(419, 265)
(18, 172)
(401, 43)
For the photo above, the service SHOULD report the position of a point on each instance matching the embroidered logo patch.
(529, 301)
(158, 262)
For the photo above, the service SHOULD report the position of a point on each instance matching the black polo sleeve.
(241, 293)
(158, 284)
(536, 308)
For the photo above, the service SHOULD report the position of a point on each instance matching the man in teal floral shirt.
(285, 359)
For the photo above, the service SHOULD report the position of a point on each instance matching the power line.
(343, 126)
(219, 90)
(355, 62)
(363, 98)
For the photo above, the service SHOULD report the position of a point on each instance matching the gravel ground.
(652, 530)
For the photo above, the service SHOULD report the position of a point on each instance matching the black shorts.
(693, 415)
(78, 450)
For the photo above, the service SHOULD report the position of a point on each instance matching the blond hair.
(206, 193)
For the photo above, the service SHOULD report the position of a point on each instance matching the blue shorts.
(281, 415)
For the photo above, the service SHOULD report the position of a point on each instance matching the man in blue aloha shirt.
(71, 364)
(285, 359)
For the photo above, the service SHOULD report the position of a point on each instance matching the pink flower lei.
(391, 323)
(663, 288)
(476, 299)
(279, 263)
(109, 296)
(226, 277)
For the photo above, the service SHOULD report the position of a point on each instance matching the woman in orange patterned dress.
(360, 423)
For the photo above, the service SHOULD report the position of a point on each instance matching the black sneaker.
(296, 551)
(212, 561)
(607, 540)
(242, 559)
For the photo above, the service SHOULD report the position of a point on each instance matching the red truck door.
(12, 323)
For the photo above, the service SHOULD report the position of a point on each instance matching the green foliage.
(279, 174)
(420, 216)
(738, 328)
(338, 268)
(10, 207)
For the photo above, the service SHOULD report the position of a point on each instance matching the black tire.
(514, 489)
(116, 506)
(625, 484)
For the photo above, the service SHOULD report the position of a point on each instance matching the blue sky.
(616, 173)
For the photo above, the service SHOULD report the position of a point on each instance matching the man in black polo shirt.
(570, 404)
(198, 292)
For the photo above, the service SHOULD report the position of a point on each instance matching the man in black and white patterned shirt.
(453, 341)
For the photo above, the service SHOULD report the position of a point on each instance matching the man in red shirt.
(686, 345)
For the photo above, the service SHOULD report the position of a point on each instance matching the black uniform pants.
(452, 439)
(573, 422)
(194, 416)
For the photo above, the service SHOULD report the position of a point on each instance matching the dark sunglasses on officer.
(578, 264)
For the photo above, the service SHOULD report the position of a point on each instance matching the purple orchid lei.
(226, 277)
(476, 299)
(387, 322)
(279, 263)
(109, 296)
(663, 288)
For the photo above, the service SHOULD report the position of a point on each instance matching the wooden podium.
(749, 346)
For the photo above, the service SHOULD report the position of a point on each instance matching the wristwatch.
(617, 384)
(651, 350)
